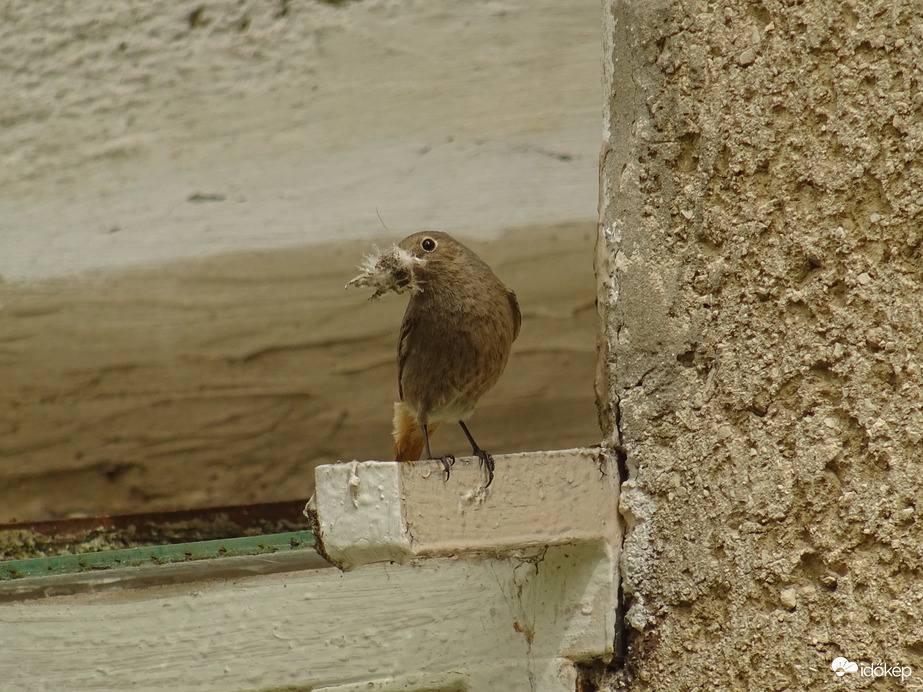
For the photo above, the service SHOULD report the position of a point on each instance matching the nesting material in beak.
(391, 270)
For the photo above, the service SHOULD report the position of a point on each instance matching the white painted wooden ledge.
(449, 588)
(533, 560)
(376, 511)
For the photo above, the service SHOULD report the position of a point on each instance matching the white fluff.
(391, 270)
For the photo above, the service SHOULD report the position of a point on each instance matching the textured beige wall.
(759, 268)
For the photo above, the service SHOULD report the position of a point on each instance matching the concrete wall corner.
(759, 281)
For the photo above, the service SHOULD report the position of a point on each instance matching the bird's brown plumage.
(455, 339)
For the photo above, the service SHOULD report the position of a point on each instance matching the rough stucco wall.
(761, 297)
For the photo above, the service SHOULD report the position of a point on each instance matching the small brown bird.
(454, 344)
(455, 338)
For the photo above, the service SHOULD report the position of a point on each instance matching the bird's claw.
(486, 460)
(448, 461)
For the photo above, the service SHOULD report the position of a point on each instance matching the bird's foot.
(448, 461)
(487, 461)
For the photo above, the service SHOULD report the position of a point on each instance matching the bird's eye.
(428, 244)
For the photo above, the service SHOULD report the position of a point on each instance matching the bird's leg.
(485, 457)
(447, 460)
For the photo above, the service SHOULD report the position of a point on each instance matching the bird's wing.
(403, 349)
(517, 315)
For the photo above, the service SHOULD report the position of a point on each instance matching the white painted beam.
(372, 511)
(528, 589)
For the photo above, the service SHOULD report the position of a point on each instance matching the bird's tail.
(408, 435)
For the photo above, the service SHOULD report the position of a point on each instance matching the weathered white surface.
(373, 511)
(491, 624)
(293, 122)
(536, 498)
(362, 513)
(529, 588)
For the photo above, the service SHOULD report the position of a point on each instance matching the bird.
(455, 341)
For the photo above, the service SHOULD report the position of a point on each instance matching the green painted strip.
(156, 555)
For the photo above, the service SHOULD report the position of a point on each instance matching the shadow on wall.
(227, 380)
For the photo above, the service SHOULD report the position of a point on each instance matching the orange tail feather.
(408, 435)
